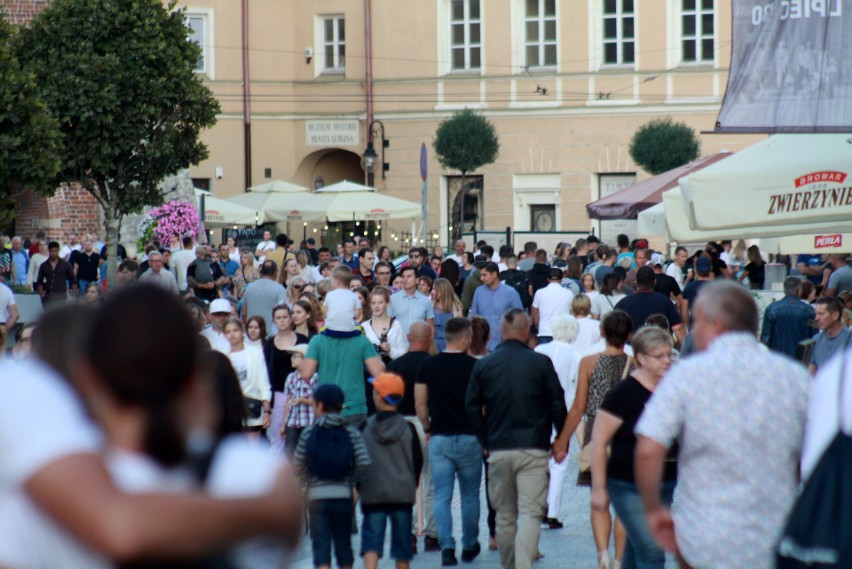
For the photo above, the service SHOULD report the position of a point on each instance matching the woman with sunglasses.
(294, 289)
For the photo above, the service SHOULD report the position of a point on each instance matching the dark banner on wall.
(791, 67)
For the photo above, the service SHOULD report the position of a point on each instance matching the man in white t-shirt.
(548, 302)
(220, 311)
(180, 262)
(40, 466)
(675, 269)
(458, 257)
(264, 247)
(70, 246)
(8, 315)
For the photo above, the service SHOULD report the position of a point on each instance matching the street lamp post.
(369, 159)
(368, 162)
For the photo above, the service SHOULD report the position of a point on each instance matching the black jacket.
(521, 396)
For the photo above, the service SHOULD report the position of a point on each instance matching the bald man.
(515, 431)
(406, 366)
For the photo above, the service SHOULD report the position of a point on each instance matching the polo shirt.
(491, 304)
(340, 361)
(352, 263)
(643, 303)
(407, 309)
(826, 347)
(550, 301)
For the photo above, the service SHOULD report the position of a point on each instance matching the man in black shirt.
(454, 450)
(645, 302)
(704, 274)
(85, 264)
(407, 366)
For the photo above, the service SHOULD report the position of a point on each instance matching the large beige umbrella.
(219, 212)
(345, 201)
(277, 201)
(788, 179)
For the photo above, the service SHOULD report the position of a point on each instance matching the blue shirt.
(352, 263)
(787, 322)
(492, 305)
(21, 262)
(812, 261)
(407, 309)
(230, 267)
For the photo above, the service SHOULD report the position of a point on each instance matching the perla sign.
(332, 133)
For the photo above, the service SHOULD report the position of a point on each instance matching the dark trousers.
(331, 523)
(492, 513)
(291, 440)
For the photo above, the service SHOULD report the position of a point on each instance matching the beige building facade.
(566, 84)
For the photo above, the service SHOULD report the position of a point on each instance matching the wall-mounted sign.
(332, 132)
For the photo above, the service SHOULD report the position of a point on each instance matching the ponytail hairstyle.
(142, 348)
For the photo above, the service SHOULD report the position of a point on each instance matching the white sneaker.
(603, 560)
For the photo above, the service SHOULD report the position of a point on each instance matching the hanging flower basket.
(172, 220)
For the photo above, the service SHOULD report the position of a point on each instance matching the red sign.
(817, 177)
(377, 210)
(823, 241)
(295, 212)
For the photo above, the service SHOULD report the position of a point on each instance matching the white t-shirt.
(66, 250)
(7, 299)
(589, 335)
(264, 246)
(217, 340)
(603, 305)
(341, 305)
(550, 301)
(676, 273)
(180, 262)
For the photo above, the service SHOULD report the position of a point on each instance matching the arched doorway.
(328, 166)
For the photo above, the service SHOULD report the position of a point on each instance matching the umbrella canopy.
(787, 179)
(279, 186)
(219, 212)
(345, 201)
(627, 203)
(278, 201)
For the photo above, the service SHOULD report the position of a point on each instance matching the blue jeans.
(373, 532)
(641, 547)
(454, 456)
(331, 522)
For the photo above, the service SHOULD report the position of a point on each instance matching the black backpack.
(329, 453)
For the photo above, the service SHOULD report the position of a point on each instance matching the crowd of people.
(378, 382)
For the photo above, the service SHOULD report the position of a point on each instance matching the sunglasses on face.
(298, 287)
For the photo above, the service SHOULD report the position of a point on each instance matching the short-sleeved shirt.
(738, 414)
(676, 272)
(643, 303)
(408, 309)
(812, 261)
(826, 347)
(446, 377)
(690, 293)
(261, 297)
(492, 304)
(406, 366)
(841, 279)
(87, 265)
(550, 301)
(341, 305)
(666, 285)
(341, 362)
(627, 401)
(756, 275)
(7, 299)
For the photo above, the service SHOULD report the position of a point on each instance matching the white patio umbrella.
(345, 201)
(219, 212)
(277, 201)
(788, 179)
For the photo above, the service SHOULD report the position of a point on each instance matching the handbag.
(819, 530)
(255, 407)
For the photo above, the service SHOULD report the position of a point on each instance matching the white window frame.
(321, 46)
(698, 37)
(207, 53)
(619, 40)
(466, 21)
(540, 19)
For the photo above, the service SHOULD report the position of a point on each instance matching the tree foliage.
(119, 77)
(663, 144)
(465, 142)
(29, 135)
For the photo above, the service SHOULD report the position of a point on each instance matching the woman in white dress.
(384, 331)
(254, 380)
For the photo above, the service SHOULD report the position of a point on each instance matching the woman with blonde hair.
(755, 271)
(245, 275)
(384, 331)
(445, 305)
(253, 375)
(613, 478)
(294, 289)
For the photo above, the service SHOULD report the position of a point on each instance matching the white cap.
(298, 349)
(220, 305)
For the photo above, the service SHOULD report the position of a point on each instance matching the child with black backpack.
(333, 457)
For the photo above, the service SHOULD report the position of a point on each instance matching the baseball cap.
(329, 395)
(311, 241)
(703, 265)
(389, 386)
(220, 305)
(641, 244)
(298, 349)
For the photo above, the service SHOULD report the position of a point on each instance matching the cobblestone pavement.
(569, 548)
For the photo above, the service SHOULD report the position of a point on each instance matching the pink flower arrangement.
(175, 219)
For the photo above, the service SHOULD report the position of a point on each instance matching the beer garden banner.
(791, 67)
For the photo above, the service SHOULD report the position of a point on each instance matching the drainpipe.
(246, 96)
(368, 48)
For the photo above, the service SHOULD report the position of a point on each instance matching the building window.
(540, 33)
(465, 35)
(473, 204)
(698, 30)
(201, 184)
(619, 38)
(334, 44)
(200, 33)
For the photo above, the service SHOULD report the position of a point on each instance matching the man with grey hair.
(20, 262)
(513, 420)
(158, 274)
(737, 412)
(788, 321)
(459, 249)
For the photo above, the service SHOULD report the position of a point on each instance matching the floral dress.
(242, 278)
(606, 373)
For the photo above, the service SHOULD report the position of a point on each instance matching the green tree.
(663, 144)
(465, 142)
(119, 77)
(28, 133)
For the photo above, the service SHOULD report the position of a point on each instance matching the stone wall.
(70, 210)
